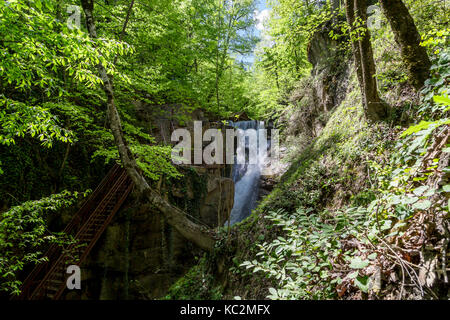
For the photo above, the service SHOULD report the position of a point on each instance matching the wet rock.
(139, 256)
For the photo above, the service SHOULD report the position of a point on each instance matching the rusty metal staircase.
(48, 280)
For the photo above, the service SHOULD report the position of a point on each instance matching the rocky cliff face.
(324, 89)
(330, 69)
(140, 256)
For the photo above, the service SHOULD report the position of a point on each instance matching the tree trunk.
(374, 108)
(174, 216)
(408, 38)
(335, 5)
(350, 13)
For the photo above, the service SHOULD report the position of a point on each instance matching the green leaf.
(386, 225)
(423, 125)
(362, 283)
(420, 190)
(442, 100)
(410, 200)
(358, 263)
(422, 205)
(372, 256)
(38, 4)
(429, 193)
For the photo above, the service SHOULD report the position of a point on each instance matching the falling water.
(246, 177)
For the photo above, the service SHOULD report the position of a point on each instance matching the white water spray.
(246, 176)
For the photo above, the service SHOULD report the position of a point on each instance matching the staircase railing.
(48, 280)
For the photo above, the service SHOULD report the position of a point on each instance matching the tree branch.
(174, 216)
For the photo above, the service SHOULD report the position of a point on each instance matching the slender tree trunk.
(174, 216)
(217, 60)
(374, 108)
(221, 57)
(408, 38)
(350, 13)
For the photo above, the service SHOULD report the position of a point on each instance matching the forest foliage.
(53, 121)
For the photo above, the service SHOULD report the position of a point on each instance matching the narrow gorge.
(224, 150)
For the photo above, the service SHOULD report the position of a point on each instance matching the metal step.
(86, 226)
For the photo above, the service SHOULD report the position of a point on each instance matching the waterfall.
(246, 177)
